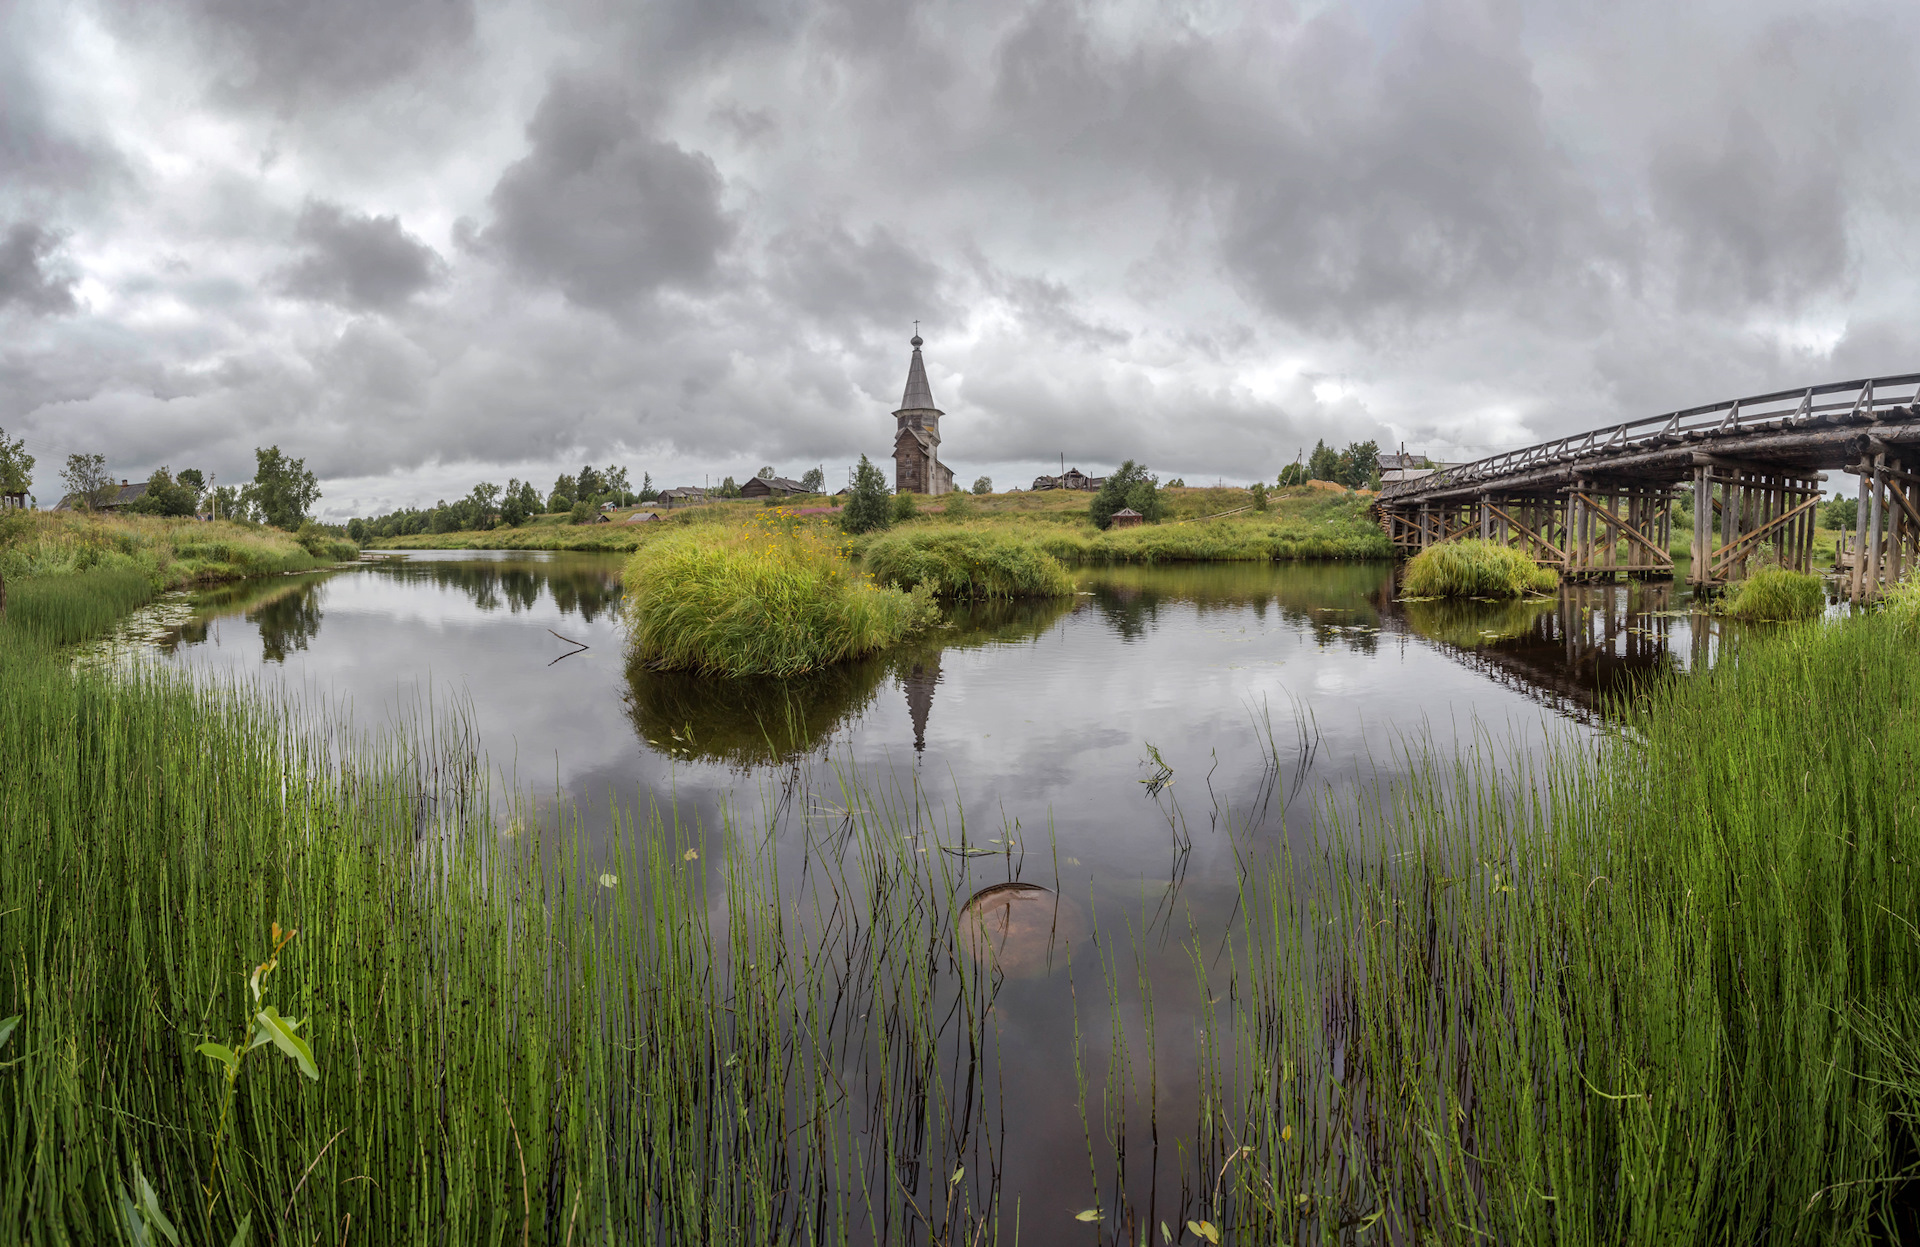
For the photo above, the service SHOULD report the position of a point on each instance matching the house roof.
(122, 495)
(1126, 511)
(919, 395)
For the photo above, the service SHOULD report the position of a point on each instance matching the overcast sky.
(421, 243)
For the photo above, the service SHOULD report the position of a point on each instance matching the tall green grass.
(1774, 593)
(517, 1038)
(1475, 568)
(1668, 991)
(60, 610)
(765, 602)
(966, 563)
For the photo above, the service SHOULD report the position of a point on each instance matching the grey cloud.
(26, 278)
(367, 263)
(603, 209)
(287, 50)
(875, 282)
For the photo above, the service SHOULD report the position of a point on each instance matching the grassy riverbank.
(967, 563)
(169, 553)
(1202, 525)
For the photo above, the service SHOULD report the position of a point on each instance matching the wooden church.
(916, 441)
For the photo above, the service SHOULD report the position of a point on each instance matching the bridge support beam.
(1885, 543)
(1764, 517)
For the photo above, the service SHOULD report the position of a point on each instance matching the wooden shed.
(1127, 517)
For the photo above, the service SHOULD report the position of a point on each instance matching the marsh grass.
(60, 610)
(759, 602)
(171, 553)
(1661, 991)
(966, 563)
(1774, 594)
(1472, 568)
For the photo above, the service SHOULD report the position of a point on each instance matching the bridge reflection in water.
(1581, 650)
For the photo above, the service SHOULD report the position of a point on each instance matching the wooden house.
(125, 494)
(1072, 478)
(1127, 517)
(771, 486)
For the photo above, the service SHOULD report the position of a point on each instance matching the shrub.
(867, 502)
(905, 506)
(967, 563)
(1475, 568)
(758, 603)
(958, 506)
(583, 513)
(1774, 593)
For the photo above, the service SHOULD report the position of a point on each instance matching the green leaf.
(221, 1053)
(1166, 1235)
(150, 1207)
(243, 1235)
(1090, 1214)
(280, 1031)
(6, 1029)
(1205, 1230)
(131, 1218)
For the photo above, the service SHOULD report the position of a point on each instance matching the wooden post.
(1486, 518)
(1855, 579)
(1876, 526)
(1896, 528)
(1702, 523)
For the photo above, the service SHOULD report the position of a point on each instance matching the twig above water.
(570, 641)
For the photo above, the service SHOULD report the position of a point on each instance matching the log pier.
(1601, 505)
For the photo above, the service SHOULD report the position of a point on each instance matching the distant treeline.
(489, 506)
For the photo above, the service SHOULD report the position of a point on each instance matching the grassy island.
(759, 602)
(1775, 594)
(1473, 568)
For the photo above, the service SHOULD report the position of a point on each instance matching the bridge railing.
(1813, 404)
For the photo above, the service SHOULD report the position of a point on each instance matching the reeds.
(1472, 568)
(1665, 991)
(762, 602)
(966, 563)
(1774, 593)
(516, 1039)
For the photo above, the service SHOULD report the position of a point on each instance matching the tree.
(228, 503)
(813, 480)
(165, 496)
(614, 481)
(282, 490)
(728, 489)
(647, 492)
(867, 504)
(1357, 464)
(512, 513)
(192, 479)
(1259, 495)
(560, 497)
(16, 465)
(483, 498)
(590, 485)
(1323, 464)
(765, 474)
(1131, 486)
(583, 512)
(983, 484)
(86, 480)
(905, 506)
(1294, 473)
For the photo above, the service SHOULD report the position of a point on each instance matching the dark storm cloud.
(601, 207)
(368, 263)
(284, 51)
(28, 274)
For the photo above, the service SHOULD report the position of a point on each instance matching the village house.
(1127, 517)
(683, 495)
(125, 494)
(916, 440)
(1072, 478)
(770, 486)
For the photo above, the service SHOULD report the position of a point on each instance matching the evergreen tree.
(1323, 464)
(867, 503)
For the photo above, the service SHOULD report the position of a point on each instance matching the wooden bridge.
(1603, 504)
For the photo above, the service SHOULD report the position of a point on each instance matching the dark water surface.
(1252, 690)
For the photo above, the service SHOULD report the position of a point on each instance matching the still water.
(1129, 749)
